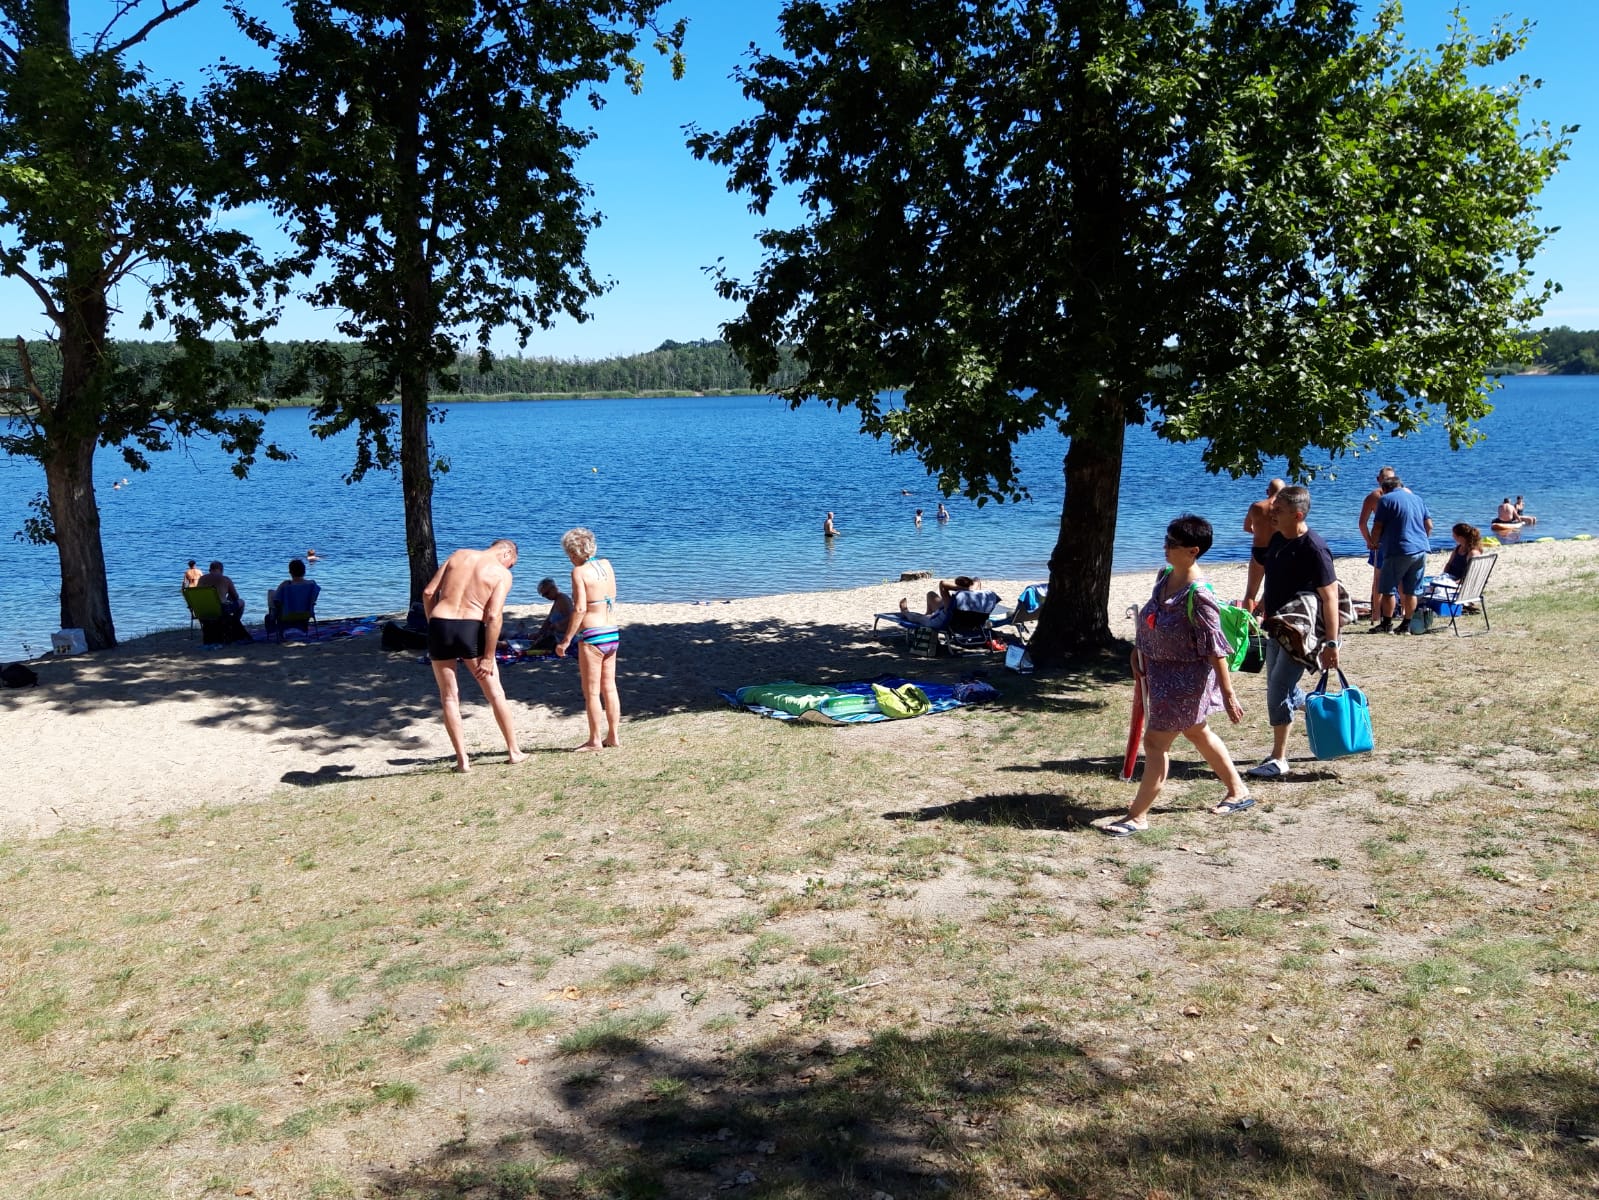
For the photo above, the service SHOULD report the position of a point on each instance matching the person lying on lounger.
(938, 603)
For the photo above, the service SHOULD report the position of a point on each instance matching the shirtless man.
(191, 577)
(828, 528)
(1382, 607)
(232, 605)
(465, 606)
(1260, 524)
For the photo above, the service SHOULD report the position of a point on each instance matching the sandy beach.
(161, 724)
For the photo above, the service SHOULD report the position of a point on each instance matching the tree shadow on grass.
(1017, 810)
(955, 1112)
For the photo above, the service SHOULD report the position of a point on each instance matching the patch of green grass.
(482, 1060)
(531, 1020)
(401, 1095)
(615, 1033)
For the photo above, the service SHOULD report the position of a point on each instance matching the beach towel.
(333, 630)
(853, 703)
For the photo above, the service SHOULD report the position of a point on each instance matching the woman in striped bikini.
(592, 627)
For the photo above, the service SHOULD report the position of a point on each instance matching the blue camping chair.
(294, 607)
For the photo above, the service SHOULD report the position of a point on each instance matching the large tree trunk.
(85, 598)
(416, 479)
(418, 321)
(1075, 617)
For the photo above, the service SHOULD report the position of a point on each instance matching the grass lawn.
(892, 960)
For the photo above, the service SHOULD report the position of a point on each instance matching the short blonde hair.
(579, 543)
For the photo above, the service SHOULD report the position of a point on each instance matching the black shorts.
(450, 638)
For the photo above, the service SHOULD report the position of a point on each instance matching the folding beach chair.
(295, 605)
(1452, 599)
(205, 604)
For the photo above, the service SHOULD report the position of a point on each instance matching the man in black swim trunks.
(465, 606)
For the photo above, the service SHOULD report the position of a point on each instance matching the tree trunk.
(1075, 618)
(418, 315)
(85, 598)
(416, 479)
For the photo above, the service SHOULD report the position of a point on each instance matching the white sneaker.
(1272, 768)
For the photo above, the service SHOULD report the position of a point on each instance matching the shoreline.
(159, 725)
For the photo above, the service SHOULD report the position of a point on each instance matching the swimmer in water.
(828, 528)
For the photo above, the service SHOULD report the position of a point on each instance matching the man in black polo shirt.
(1295, 560)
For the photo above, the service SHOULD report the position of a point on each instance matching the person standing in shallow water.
(828, 528)
(1182, 654)
(593, 627)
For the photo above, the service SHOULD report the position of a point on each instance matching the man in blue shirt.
(1402, 529)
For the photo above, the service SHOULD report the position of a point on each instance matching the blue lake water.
(703, 498)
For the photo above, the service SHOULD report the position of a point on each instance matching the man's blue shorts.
(1403, 571)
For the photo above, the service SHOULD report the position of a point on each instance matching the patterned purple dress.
(1183, 689)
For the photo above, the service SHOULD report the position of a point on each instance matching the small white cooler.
(68, 641)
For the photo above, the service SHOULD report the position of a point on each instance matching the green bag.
(1238, 625)
(907, 700)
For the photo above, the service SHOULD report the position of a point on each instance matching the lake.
(708, 498)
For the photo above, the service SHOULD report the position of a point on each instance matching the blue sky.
(668, 217)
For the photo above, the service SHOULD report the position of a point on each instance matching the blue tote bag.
(1338, 723)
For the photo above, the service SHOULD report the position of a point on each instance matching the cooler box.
(68, 641)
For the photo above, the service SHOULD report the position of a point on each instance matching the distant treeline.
(1567, 351)
(672, 368)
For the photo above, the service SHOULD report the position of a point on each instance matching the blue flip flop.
(1228, 807)
(1121, 829)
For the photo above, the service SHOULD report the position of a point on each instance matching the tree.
(1245, 221)
(420, 151)
(108, 181)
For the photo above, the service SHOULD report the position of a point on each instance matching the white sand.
(161, 724)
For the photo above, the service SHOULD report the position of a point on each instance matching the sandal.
(1228, 807)
(1121, 829)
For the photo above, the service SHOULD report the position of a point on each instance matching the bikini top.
(603, 569)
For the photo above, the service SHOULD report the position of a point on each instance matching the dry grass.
(800, 962)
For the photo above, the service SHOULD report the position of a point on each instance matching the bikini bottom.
(605, 639)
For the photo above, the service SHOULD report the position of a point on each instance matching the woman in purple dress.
(1183, 656)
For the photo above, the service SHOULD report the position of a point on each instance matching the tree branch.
(51, 309)
(144, 31)
(30, 385)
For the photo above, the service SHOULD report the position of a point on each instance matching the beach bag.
(17, 675)
(1423, 619)
(1017, 658)
(907, 700)
(1239, 627)
(1337, 723)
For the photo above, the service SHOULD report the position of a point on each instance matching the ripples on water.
(707, 498)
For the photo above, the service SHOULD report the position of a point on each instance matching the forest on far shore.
(672, 368)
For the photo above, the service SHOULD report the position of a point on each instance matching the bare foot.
(612, 743)
(462, 768)
(903, 606)
(515, 756)
(586, 748)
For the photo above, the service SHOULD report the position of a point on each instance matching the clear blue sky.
(667, 217)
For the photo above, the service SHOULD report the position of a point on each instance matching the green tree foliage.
(1246, 222)
(422, 155)
(108, 183)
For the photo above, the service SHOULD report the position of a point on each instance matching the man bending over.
(465, 606)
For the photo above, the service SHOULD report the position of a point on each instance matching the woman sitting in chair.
(1468, 545)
